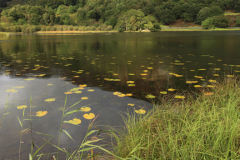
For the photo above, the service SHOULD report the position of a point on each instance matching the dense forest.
(121, 15)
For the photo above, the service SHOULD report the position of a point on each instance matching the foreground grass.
(202, 128)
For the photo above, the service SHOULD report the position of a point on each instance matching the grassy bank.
(202, 128)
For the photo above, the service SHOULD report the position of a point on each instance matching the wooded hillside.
(115, 14)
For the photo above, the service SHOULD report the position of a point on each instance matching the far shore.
(114, 31)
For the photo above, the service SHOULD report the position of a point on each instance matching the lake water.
(138, 66)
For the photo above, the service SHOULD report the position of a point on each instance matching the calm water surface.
(136, 65)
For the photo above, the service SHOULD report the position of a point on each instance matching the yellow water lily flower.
(49, 100)
(130, 104)
(89, 116)
(171, 89)
(82, 85)
(129, 94)
(210, 86)
(86, 109)
(84, 98)
(21, 107)
(230, 76)
(75, 121)
(49, 84)
(41, 113)
(197, 86)
(131, 74)
(211, 80)
(140, 111)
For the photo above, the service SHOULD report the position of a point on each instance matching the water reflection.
(136, 65)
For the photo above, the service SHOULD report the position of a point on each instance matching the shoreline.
(114, 31)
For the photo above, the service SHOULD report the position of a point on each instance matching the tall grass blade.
(19, 121)
(68, 134)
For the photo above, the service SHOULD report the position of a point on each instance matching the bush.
(238, 22)
(43, 28)
(221, 21)
(208, 23)
(93, 28)
(109, 28)
(167, 16)
(48, 28)
(75, 28)
(82, 28)
(70, 28)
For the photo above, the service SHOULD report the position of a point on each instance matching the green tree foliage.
(206, 12)
(208, 23)
(238, 22)
(167, 16)
(237, 7)
(221, 21)
(61, 9)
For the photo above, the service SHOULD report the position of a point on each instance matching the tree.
(167, 16)
(203, 14)
(208, 23)
(221, 21)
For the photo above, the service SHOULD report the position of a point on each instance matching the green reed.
(202, 128)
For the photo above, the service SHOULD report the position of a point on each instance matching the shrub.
(167, 16)
(48, 28)
(82, 28)
(109, 28)
(93, 28)
(208, 23)
(70, 28)
(238, 22)
(221, 21)
(43, 28)
(75, 28)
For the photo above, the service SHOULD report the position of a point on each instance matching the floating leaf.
(90, 90)
(208, 93)
(210, 86)
(150, 96)
(121, 95)
(68, 92)
(163, 92)
(21, 107)
(73, 89)
(19, 87)
(116, 93)
(49, 100)
(211, 80)
(84, 98)
(197, 86)
(11, 90)
(89, 116)
(179, 97)
(86, 109)
(140, 111)
(41, 113)
(171, 89)
(130, 104)
(78, 92)
(75, 121)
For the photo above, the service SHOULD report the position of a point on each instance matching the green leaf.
(43, 134)
(6, 113)
(40, 156)
(30, 156)
(73, 105)
(59, 148)
(68, 134)
(19, 121)
(73, 111)
(41, 148)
